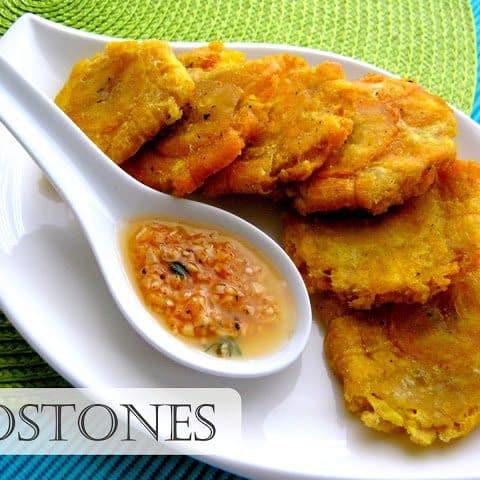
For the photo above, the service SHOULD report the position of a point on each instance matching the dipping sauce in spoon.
(104, 198)
(209, 288)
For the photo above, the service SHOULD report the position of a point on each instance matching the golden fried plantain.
(306, 122)
(126, 94)
(401, 136)
(406, 255)
(410, 368)
(212, 56)
(228, 110)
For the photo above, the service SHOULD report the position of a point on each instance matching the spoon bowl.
(103, 198)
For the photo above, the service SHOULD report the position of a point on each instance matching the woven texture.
(430, 40)
(109, 468)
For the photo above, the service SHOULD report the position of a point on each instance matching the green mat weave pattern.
(20, 366)
(432, 41)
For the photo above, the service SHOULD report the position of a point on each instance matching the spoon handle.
(86, 178)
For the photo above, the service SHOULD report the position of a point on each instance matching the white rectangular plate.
(294, 422)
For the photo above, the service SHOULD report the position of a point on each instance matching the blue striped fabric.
(108, 467)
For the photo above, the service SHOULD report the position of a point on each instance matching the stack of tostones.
(385, 221)
(411, 368)
(228, 110)
(400, 297)
(308, 118)
(401, 136)
(386, 140)
(274, 126)
(407, 255)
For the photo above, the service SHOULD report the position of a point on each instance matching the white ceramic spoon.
(104, 197)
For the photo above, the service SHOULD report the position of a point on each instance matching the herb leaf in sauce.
(179, 269)
(225, 347)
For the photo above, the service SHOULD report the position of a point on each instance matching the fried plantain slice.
(406, 255)
(410, 368)
(228, 110)
(306, 122)
(126, 94)
(401, 136)
(212, 56)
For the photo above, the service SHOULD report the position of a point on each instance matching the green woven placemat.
(430, 40)
(20, 366)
